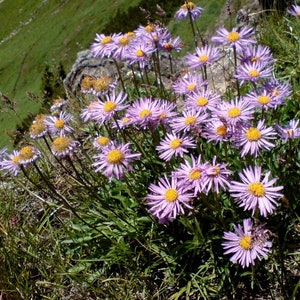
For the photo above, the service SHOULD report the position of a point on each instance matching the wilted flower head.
(256, 192)
(58, 104)
(28, 154)
(63, 146)
(247, 243)
(189, 8)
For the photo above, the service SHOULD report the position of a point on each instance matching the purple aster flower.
(190, 121)
(253, 72)
(171, 44)
(122, 43)
(257, 53)
(166, 112)
(254, 192)
(87, 113)
(254, 139)
(192, 174)
(152, 33)
(237, 38)
(290, 131)
(103, 111)
(189, 8)
(125, 121)
(139, 53)
(235, 111)
(217, 131)
(263, 99)
(104, 45)
(205, 55)
(294, 10)
(114, 160)
(218, 177)
(279, 89)
(174, 145)
(204, 100)
(144, 112)
(59, 124)
(28, 155)
(10, 163)
(101, 142)
(167, 199)
(247, 243)
(189, 83)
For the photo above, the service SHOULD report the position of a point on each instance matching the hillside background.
(39, 41)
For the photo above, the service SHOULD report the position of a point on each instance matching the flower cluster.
(183, 139)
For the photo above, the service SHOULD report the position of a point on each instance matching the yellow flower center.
(253, 134)
(130, 35)
(61, 144)
(26, 152)
(124, 41)
(245, 242)
(101, 84)
(168, 46)
(40, 117)
(221, 130)
(175, 143)
(106, 40)
(37, 128)
(103, 141)
(59, 124)
(162, 116)
(87, 83)
(191, 86)
(150, 28)
(256, 189)
(195, 174)
(255, 58)
(290, 133)
(109, 106)
(202, 101)
(16, 159)
(190, 120)
(298, 13)
(234, 112)
(216, 171)
(263, 99)
(203, 58)
(139, 53)
(171, 195)
(253, 73)
(145, 113)
(125, 120)
(188, 6)
(115, 156)
(233, 36)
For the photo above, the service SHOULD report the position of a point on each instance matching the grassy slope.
(53, 31)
